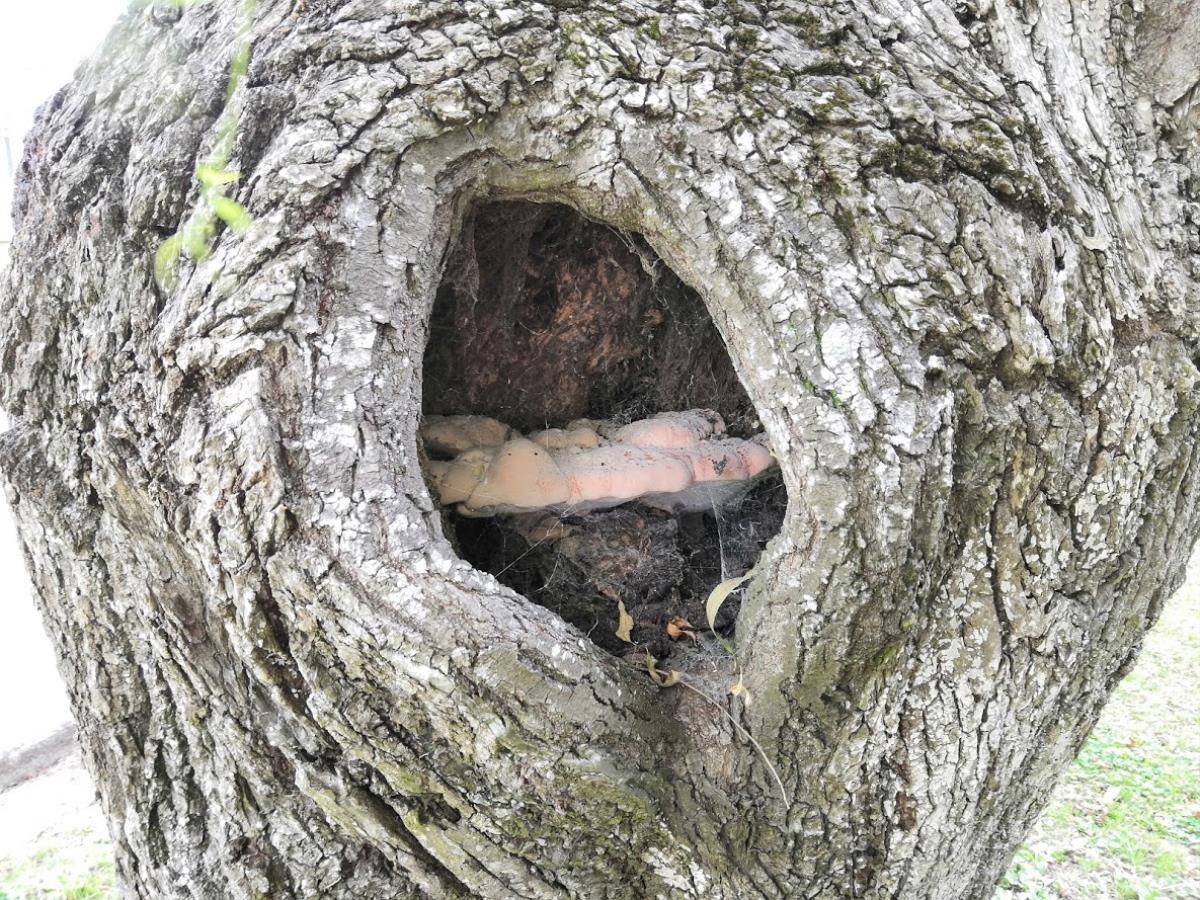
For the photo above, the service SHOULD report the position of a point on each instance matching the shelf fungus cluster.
(651, 513)
(678, 462)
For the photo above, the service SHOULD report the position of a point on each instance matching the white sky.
(40, 46)
(41, 43)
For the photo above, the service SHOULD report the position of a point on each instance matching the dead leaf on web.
(719, 595)
(680, 627)
(662, 679)
(624, 623)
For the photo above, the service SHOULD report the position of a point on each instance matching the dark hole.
(544, 317)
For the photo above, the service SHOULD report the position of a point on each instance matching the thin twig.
(787, 803)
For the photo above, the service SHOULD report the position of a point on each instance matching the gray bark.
(951, 248)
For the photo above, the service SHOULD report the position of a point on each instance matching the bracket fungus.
(676, 461)
(584, 430)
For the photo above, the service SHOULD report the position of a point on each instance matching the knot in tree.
(392, 415)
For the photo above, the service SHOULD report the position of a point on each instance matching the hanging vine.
(195, 237)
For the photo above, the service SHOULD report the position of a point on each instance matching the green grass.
(58, 870)
(1125, 821)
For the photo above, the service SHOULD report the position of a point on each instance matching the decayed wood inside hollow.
(546, 322)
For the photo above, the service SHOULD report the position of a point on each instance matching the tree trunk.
(951, 249)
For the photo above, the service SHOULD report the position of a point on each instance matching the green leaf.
(196, 235)
(212, 176)
(232, 213)
(719, 595)
(166, 259)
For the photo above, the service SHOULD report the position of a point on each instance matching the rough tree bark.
(951, 247)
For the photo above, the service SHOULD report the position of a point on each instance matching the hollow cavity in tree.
(584, 429)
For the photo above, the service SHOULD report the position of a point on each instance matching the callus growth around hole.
(677, 461)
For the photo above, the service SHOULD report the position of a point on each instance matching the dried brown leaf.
(624, 623)
(680, 627)
(719, 595)
(662, 679)
(740, 690)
